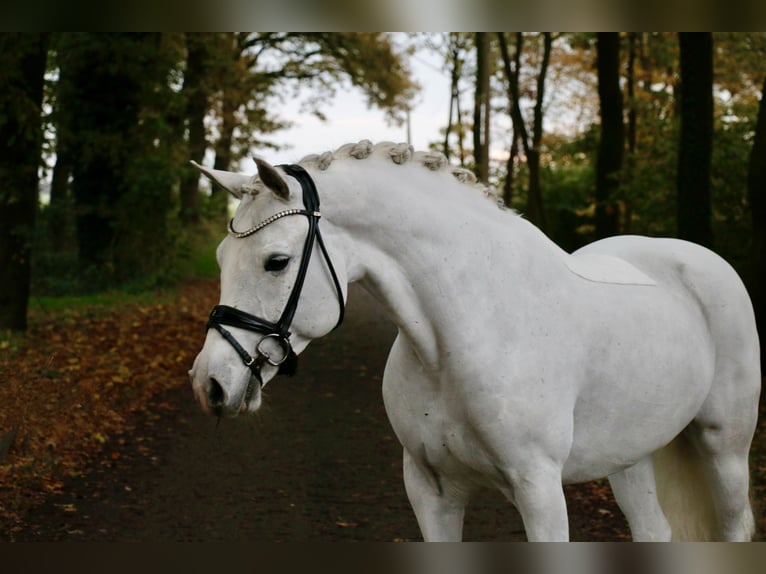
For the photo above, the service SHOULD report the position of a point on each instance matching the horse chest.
(434, 428)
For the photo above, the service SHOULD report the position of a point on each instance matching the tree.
(60, 221)
(114, 118)
(756, 192)
(631, 131)
(696, 139)
(457, 45)
(611, 143)
(196, 92)
(22, 68)
(248, 70)
(535, 193)
(534, 211)
(530, 144)
(512, 94)
(481, 108)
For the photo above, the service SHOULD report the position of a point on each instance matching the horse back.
(714, 285)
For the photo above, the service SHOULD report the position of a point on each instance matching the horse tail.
(684, 491)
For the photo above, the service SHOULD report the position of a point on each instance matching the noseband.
(279, 332)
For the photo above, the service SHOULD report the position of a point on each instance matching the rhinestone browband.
(268, 220)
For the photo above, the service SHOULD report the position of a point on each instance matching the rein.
(279, 332)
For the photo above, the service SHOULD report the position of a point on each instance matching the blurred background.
(585, 134)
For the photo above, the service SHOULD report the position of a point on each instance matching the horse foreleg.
(539, 497)
(439, 513)
(636, 493)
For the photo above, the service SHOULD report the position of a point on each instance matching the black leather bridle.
(279, 332)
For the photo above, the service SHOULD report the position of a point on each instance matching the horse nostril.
(215, 394)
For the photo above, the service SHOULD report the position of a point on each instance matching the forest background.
(664, 135)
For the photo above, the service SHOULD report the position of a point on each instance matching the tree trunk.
(103, 86)
(196, 96)
(460, 133)
(632, 133)
(223, 145)
(512, 76)
(61, 236)
(481, 109)
(535, 209)
(610, 149)
(60, 208)
(230, 102)
(22, 68)
(696, 141)
(454, 94)
(756, 192)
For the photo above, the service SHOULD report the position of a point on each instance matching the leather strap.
(226, 315)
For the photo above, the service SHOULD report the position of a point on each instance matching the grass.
(197, 261)
(107, 299)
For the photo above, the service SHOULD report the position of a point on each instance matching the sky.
(349, 119)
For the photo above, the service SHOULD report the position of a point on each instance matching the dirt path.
(319, 462)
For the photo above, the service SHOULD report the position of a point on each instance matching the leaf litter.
(69, 386)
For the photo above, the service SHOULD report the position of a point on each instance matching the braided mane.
(400, 153)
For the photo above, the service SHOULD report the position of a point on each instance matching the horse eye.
(277, 263)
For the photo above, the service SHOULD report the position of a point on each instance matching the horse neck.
(422, 243)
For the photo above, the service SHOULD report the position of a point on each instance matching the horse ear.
(271, 178)
(229, 180)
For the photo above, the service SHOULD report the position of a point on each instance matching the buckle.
(284, 347)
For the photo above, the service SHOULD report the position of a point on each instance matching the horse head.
(280, 287)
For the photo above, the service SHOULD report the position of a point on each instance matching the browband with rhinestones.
(268, 220)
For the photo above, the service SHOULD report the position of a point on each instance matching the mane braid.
(399, 154)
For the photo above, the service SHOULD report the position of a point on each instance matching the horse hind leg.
(725, 457)
(635, 491)
(723, 431)
(703, 475)
(724, 426)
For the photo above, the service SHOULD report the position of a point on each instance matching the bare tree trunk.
(481, 109)
(696, 142)
(535, 209)
(512, 76)
(454, 92)
(23, 57)
(223, 145)
(60, 206)
(610, 150)
(631, 135)
(756, 193)
(448, 130)
(230, 101)
(460, 133)
(61, 221)
(196, 95)
(510, 169)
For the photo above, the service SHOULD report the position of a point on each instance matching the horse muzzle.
(227, 391)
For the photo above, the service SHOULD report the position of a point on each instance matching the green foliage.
(568, 184)
(186, 252)
(732, 222)
(649, 179)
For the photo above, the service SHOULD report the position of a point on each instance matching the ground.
(319, 462)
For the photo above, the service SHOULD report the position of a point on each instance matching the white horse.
(517, 366)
